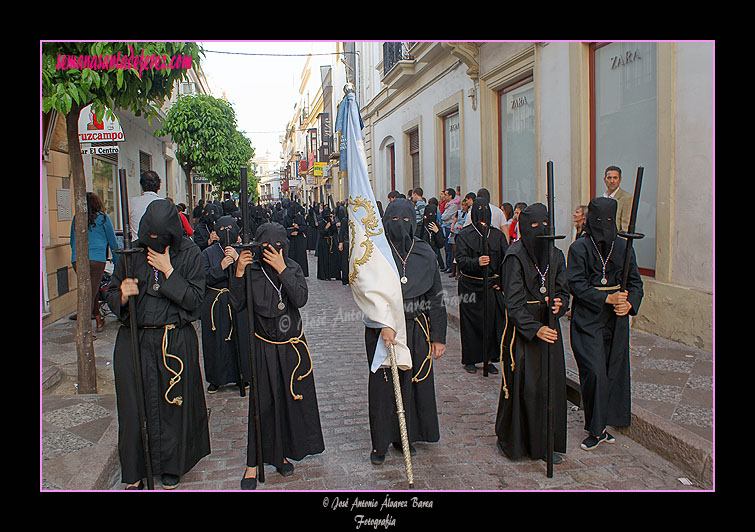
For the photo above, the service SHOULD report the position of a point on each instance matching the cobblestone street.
(465, 458)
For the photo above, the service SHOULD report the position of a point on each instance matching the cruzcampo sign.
(99, 129)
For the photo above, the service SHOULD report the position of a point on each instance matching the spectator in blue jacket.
(101, 236)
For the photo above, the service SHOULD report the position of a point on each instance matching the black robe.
(600, 338)
(205, 225)
(178, 434)
(328, 257)
(225, 348)
(343, 239)
(312, 233)
(522, 406)
(436, 240)
(470, 291)
(426, 321)
(278, 215)
(298, 242)
(419, 397)
(290, 419)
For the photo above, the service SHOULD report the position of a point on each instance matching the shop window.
(451, 151)
(624, 130)
(145, 162)
(104, 184)
(392, 164)
(414, 155)
(518, 175)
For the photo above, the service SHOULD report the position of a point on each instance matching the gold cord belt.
(212, 310)
(494, 276)
(429, 357)
(293, 342)
(330, 243)
(511, 353)
(178, 400)
(615, 287)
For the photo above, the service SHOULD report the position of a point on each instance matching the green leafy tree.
(135, 76)
(226, 174)
(201, 126)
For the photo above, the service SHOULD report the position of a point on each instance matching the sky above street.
(263, 89)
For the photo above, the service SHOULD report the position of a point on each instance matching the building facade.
(140, 150)
(492, 114)
(268, 169)
(310, 144)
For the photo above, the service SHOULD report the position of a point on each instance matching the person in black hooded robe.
(312, 216)
(168, 281)
(328, 258)
(599, 328)
(296, 229)
(257, 217)
(471, 261)
(279, 212)
(225, 337)
(343, 244)
(521, 420)
(430, 232)
(206, 225)
(289, 415)
(426, 321)
(229, 207)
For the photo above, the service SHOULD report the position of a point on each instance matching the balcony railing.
(393, 52)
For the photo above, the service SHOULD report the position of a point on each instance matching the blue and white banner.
(373, 275)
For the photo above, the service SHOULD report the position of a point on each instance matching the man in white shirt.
(150, 183)
(498, 219)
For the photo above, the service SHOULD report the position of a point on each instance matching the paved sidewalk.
(79, 432)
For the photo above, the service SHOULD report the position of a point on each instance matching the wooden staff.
(485, 306)
(551, 291)
(127, 251)
(401, 417)
(630, 235)
(248, 244)
(234, 331)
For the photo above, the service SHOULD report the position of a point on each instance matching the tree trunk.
(189, 188)
(87, 372)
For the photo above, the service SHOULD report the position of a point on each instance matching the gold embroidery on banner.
(370, 223)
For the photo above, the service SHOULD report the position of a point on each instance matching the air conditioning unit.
(188, 88)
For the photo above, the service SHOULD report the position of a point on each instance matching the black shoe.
(591, 442)
(212, 388)
(557, 458)
(470, 368)
(400, 448)
(249, 483)
(286, 470)
(492, 369)
(377, 459)
(169, 482)
(609, 438)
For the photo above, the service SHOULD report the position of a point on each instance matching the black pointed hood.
(537, 248)
(400, 231)
(481, 214)
(227, 229)
(419, 256)
(160, 219)
(601, 222)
